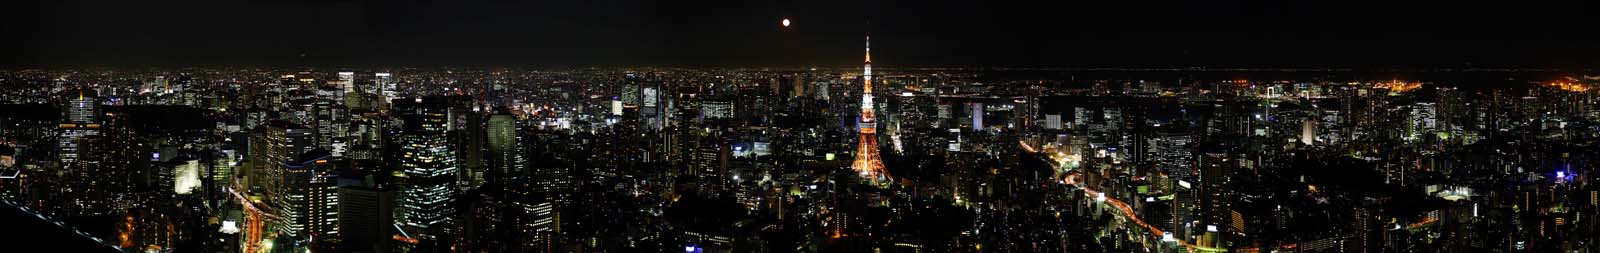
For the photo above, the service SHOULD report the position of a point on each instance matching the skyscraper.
(347, 81)
(631, 89)
(366, 218)
(379, 84)
(468, 135)
(1423, 120)
(867, 163)
(504, 156)
(977, 115)
(1172, 151)
(650, 109)
(427, 164)
(331, 125)
(312, 201)
(1215, 169)
(80, 120)
(616, 106)
(797, 82)
(271, 146)
(386, 85)
(711, 156)
(716, 109)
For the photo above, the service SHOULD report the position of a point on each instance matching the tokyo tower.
(867, 163)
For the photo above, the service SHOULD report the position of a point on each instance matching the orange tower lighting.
(867, 163)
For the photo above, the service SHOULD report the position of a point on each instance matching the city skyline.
(544, 160)
(248, 126)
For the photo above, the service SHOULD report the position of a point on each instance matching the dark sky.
(1061, 33)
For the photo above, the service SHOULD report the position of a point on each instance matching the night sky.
(72, 33)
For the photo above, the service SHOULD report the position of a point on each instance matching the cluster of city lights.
(1566, 86)
(1398, 86)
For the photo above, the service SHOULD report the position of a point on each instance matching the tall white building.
(716, 109)
(1052, 121)
(347, 80)
(977, 116)
(81, 120)
(386, 83)
(1424, 119)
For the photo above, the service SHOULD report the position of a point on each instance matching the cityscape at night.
(637, 126)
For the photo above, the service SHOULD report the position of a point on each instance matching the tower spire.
(869, 51)
(867, 163)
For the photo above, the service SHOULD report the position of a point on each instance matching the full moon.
(786, 22)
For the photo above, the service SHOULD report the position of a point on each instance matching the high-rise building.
(1172, 153)
(505, 158)
(796, 82)
(9, 185)
(711, 156)
(427, 164)
(311, 202)
(716, 109)
(977, 115)
(650, 110)
(270, 146)
(80, 120)
(347, 82)
(535, 217)
(366, 137)
(108, 167)
(185, 176)
(1423, 120)
(377, 85)
(616, 107)
(468, 138)
(366, 219)
(1308, 131)
(550, 172)
(161, 85)
(1215, 199)
(386, 84)
(866, 162)
(1052, 121)
(332, 125)
(220, 173)
(631, 88)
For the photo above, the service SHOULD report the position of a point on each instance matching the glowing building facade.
(426, 163)
(80, 121)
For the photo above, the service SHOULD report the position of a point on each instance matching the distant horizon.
(1473, 79)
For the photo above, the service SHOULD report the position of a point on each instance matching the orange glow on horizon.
(1566, 86)
(1398, 86)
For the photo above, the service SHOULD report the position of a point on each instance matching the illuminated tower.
(347, 81)
(429, 168)
(867, 163)
(80, 121)
(505, 156)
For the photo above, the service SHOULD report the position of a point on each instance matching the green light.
(829, 156)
